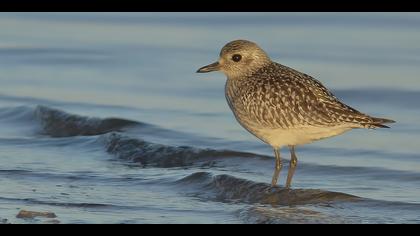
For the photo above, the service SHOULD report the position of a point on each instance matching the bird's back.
(279, 97)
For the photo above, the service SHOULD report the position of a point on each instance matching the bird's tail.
(379, 122)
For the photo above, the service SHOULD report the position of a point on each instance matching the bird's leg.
(278, 167)
(292, 166)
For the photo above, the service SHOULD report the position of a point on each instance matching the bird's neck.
(250, 72)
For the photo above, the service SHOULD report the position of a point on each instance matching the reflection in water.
(289, 215)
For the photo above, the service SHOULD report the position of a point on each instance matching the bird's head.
(238, 58)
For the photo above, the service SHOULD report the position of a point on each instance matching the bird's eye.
(236, 58)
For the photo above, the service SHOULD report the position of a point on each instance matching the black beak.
(209, 68)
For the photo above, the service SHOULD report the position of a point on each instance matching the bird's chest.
(248, 102)
(239, 98)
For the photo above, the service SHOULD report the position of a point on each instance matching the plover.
(280, 105)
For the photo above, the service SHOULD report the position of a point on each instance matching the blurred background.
(140, 67)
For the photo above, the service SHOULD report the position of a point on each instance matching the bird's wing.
(296, 99)
(338, 112)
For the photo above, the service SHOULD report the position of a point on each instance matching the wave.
(116, 136)
(58, 123)
(228, 188)
(267, 204)
(159, 155)
(148, 154)
(263, 203)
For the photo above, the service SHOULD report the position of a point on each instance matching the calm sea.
(104, 120)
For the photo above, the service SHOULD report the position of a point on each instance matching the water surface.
(104, 120)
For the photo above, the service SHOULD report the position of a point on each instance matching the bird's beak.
(209, 68)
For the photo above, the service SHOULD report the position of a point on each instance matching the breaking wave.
(58, 123)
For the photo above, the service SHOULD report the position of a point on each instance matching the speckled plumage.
(278, 97)
(280, 105)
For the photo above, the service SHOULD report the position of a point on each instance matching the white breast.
(298, 135)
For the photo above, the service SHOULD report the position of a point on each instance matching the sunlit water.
(173, 152)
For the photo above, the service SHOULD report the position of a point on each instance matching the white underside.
(298, 136)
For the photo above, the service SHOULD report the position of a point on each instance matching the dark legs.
(278, 167)
(292, 166)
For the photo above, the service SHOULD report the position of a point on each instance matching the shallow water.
(104, 120)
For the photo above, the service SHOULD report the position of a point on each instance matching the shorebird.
(282, 106)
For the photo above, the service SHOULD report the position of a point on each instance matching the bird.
(280, 105)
